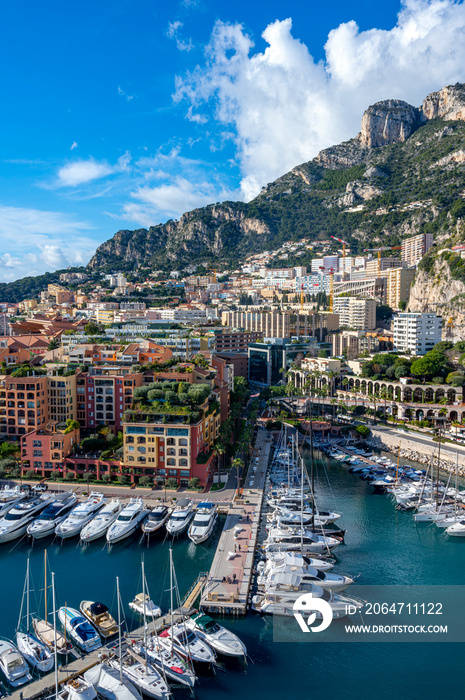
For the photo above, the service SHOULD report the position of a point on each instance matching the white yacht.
(155, 520)
(203, 523)
(187, 644)
(79, 629)
(9, 497)
(311, 541)
(80, 516)
(35, 652)
(180, 517)
(13, 665)
(77, 689)
(216, 636)
(143, 605)
(292, 561)
(127, 521)
(99, 525)
(289, 580)
(14, 524)
(45, 524)
(168, 662)
(282, 602)
(143, 675)
(107, 683)
(457, 530)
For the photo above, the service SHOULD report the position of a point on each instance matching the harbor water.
(382, 546)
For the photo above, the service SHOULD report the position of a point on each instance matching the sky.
(123, 114)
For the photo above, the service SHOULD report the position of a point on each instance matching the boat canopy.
(98, 609)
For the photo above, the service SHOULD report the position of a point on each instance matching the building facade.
(414, 248)
(359, 314)
(416, 333)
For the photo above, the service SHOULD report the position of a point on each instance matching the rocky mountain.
(402, 174)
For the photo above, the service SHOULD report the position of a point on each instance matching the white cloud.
(73, 146)
(285, 107)
(124, 94)
(80, 172)
(173, 33)
(52, 239)
(171, 200)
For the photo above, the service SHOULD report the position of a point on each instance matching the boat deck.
(227, 587)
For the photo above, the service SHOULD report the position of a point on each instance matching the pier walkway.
(227, 588)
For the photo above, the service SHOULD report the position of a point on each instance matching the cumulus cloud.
(81, 172)
(173, 33)
(284, 106)
(46, 235)
(171, 200)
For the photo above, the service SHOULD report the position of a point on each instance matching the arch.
(462, 417)
(397, 393)
(451, 394)
(439, 395)
(407, 394)
(419, 414)
(428, 395)
(408, 412)
(390, 392)
(418, 395)
(430, 414)
(453, 416)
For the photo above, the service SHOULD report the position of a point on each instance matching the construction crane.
(344, 244)
(379, 251)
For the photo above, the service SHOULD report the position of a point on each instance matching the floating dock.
(226, 590)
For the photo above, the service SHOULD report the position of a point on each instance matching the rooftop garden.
(187, 401)
(445, 363)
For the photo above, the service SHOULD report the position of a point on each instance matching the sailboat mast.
(27, 596)
(119, 631)
(144, 604)
(313, 476)
(55, 635)
(301, 506)
(45, 584)
(437, 469)
(171, 597)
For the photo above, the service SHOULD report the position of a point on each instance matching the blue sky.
(124, 114)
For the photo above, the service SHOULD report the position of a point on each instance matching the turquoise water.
(383, 546)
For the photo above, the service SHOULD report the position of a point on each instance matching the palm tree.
(333, 404)
(237, 464)
(383, 395)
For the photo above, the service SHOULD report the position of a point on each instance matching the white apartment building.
(414, 248)
(416, 334)
(328, 263)
(313, 284)
(359, 314)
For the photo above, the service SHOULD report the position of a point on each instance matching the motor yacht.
(15, 522)
(127, 521)
(99, 525)
(80, 516)
(99, 616)
(180, 518)
(13, 665)
(79, 629)
(216, 636)
(155, 520)
(45, 524)
(457, 530)
(143, 605)
(77, 689)
(187, 644)
(9, 497)
(203, 523)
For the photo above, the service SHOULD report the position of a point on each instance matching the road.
(446, 448)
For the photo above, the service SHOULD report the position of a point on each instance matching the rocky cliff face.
(388, 122)
(447, 104)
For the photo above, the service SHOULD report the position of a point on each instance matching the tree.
(194, 483)
(53, 344)
(323, 353)
(362, 430)
(71, 425)
(91, 328)
(146, 481)
(429, 365)
(456, 378)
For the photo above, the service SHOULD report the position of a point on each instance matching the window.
(178, 431)
(37, 453)
(171, 461)
(173, 472)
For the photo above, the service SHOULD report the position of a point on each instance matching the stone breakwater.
(410, 450)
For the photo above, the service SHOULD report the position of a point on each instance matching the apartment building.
(326, 264)
(235, 341)
(45, 450)
(375, 267)
(359, 314)
(353, 343)
(414, 248)
(274, 324)
(103, 400)
(61, 395)
(399, 282)
(416, 333)
(23, 405)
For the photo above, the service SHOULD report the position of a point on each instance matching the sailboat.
(45, 631)
(34, 651)
(137, 669)
(169, 662)
(181, 640)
